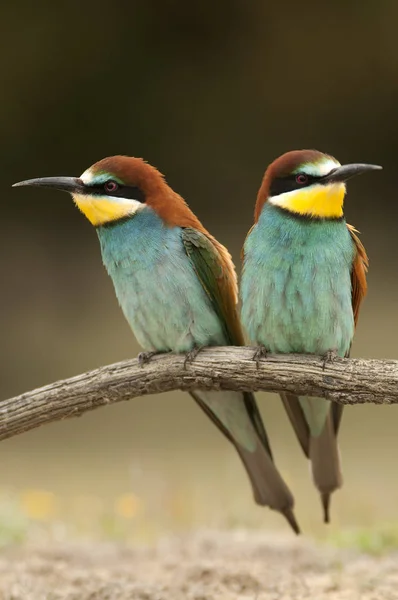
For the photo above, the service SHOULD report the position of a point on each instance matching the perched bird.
(176, 285)
(303, 280)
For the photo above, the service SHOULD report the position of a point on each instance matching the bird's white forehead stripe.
(94, 178)
(320, 168)
(87, 177)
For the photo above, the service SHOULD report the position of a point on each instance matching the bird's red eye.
(111, 186)
(302, 178)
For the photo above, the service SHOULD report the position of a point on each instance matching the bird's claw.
(260, 353)
(328, 357)
(190, 356)
(145, 357)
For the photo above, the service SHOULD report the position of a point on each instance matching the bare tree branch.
(347, 381)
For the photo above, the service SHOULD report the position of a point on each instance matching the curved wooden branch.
(347, 381)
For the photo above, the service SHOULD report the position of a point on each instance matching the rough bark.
(347, 381)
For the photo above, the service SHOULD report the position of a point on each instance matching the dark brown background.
(210, 93)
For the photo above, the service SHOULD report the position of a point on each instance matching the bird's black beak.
(347, 171)
(65, 184)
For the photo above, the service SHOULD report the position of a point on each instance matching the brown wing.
(216, 272)
(358, 275)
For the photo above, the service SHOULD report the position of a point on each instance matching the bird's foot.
(190, 356)
(145, 357)
(328, 357)
(260, 353)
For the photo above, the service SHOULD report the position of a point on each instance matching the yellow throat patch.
(322, 201)
(103, 209)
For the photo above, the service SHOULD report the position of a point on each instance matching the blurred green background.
(209, 93)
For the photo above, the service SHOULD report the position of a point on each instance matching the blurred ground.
(210, 565)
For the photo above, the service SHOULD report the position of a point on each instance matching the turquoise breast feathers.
(296, 284)
(156, 285)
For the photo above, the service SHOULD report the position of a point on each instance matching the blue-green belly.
(156, 285)
(296, 284)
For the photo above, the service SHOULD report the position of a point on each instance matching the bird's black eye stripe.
(297, 181)
(130, 192)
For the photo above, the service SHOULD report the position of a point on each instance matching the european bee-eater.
(176, 285)
(303, 280)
